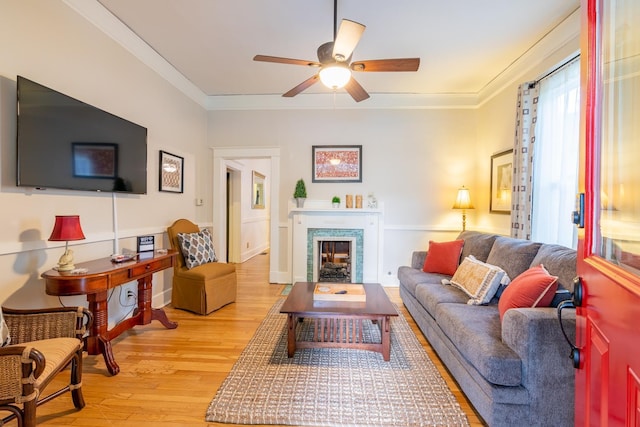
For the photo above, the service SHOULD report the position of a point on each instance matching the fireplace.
(319, 228)
(334, 261)
(343, 251)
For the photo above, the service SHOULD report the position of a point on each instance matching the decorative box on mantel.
(319, 224)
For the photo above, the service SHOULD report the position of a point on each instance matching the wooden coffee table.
(339, 323)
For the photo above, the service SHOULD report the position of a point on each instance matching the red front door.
(608, 323)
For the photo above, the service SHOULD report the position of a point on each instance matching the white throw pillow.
(479, 280)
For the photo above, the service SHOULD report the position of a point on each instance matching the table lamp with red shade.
(66, 228)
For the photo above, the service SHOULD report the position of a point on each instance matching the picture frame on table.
(336, 163)
(501, 182)
(171, 173)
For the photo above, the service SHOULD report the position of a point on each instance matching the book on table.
(339, 292)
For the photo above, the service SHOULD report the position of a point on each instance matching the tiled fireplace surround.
(316, 222)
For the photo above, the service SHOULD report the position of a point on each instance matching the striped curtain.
(521, 197)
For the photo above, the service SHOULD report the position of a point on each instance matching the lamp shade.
(463, 200)
(67, 227)
(335, 76)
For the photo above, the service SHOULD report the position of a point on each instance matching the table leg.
(291, 335)
(98, 339)
(107, 353)
(385, 331)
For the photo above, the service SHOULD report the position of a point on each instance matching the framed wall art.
(257, 192)
(337, 163)
(171, 172)
(501, 182)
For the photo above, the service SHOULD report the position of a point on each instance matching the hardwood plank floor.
(168, 377)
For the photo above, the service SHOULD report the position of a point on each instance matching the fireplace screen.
(334, 261)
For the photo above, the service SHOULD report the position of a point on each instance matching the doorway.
(223, 159)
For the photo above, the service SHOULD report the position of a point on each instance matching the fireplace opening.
(334, 261)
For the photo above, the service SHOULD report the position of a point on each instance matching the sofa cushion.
(431, 295)
(410, 277)
(514, 256)
(533, 288)
(477, 279)
(559, 261)
(477, 244)
(197, 248)
(443, 257)
(477, 334)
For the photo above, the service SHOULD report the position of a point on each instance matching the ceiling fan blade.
(302, 86)
(398, 64)
(356, 91)
(347, 39)
(280, 60)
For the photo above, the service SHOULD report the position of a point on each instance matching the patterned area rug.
(334, 387)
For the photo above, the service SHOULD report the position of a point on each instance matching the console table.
(102, 275)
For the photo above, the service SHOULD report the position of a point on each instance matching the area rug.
(334, 387)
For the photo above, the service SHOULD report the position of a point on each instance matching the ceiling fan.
(334, 61)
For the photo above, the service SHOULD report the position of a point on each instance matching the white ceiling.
(462, 44)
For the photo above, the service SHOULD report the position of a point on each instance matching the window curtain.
(523, 152)
(556, 162)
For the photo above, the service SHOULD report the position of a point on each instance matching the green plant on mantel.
(301, 191)
(335, 199)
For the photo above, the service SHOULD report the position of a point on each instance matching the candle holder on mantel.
(349, 201)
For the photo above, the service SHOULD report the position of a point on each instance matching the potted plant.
(300, 193)
(335, 201)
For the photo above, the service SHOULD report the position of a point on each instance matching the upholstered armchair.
(200, 283)
(43, 343)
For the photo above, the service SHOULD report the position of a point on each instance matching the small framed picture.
(257, 193)
(171, 172)
(337, 163)
(501, 182)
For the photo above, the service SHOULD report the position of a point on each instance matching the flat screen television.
(68, 144)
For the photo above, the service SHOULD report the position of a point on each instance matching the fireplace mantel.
(316, 216)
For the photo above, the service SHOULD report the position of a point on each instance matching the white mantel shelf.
(337, 211)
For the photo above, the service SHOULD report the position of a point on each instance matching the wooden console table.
(101, 276)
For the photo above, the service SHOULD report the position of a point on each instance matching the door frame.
(223, 157)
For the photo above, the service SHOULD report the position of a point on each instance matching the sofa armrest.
(417, 259)
(535, 335)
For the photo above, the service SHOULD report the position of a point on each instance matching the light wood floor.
(168, 377)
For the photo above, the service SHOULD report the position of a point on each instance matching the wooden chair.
(43, 343)
(204, 288)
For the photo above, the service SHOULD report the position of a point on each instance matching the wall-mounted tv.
(67, 144)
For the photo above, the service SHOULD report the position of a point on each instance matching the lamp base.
(65, 263)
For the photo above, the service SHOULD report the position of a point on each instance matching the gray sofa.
(514, 372)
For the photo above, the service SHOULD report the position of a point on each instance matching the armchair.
(202, 288)
(43, 343)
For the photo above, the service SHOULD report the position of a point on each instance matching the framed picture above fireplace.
(337, 163)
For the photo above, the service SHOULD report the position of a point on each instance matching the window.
(556, 157)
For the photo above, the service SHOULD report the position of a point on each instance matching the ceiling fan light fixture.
(335, 76)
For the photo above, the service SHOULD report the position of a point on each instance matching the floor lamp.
(463, 201)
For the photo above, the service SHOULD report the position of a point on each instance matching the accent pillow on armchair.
(197, 248)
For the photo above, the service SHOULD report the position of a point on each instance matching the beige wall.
(48, 42)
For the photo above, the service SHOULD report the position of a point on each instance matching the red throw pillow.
(533, 288)
(443, 257)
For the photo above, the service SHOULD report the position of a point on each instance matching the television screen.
(67, 144)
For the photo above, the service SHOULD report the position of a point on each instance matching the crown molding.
(104, 20)
(561, 40)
